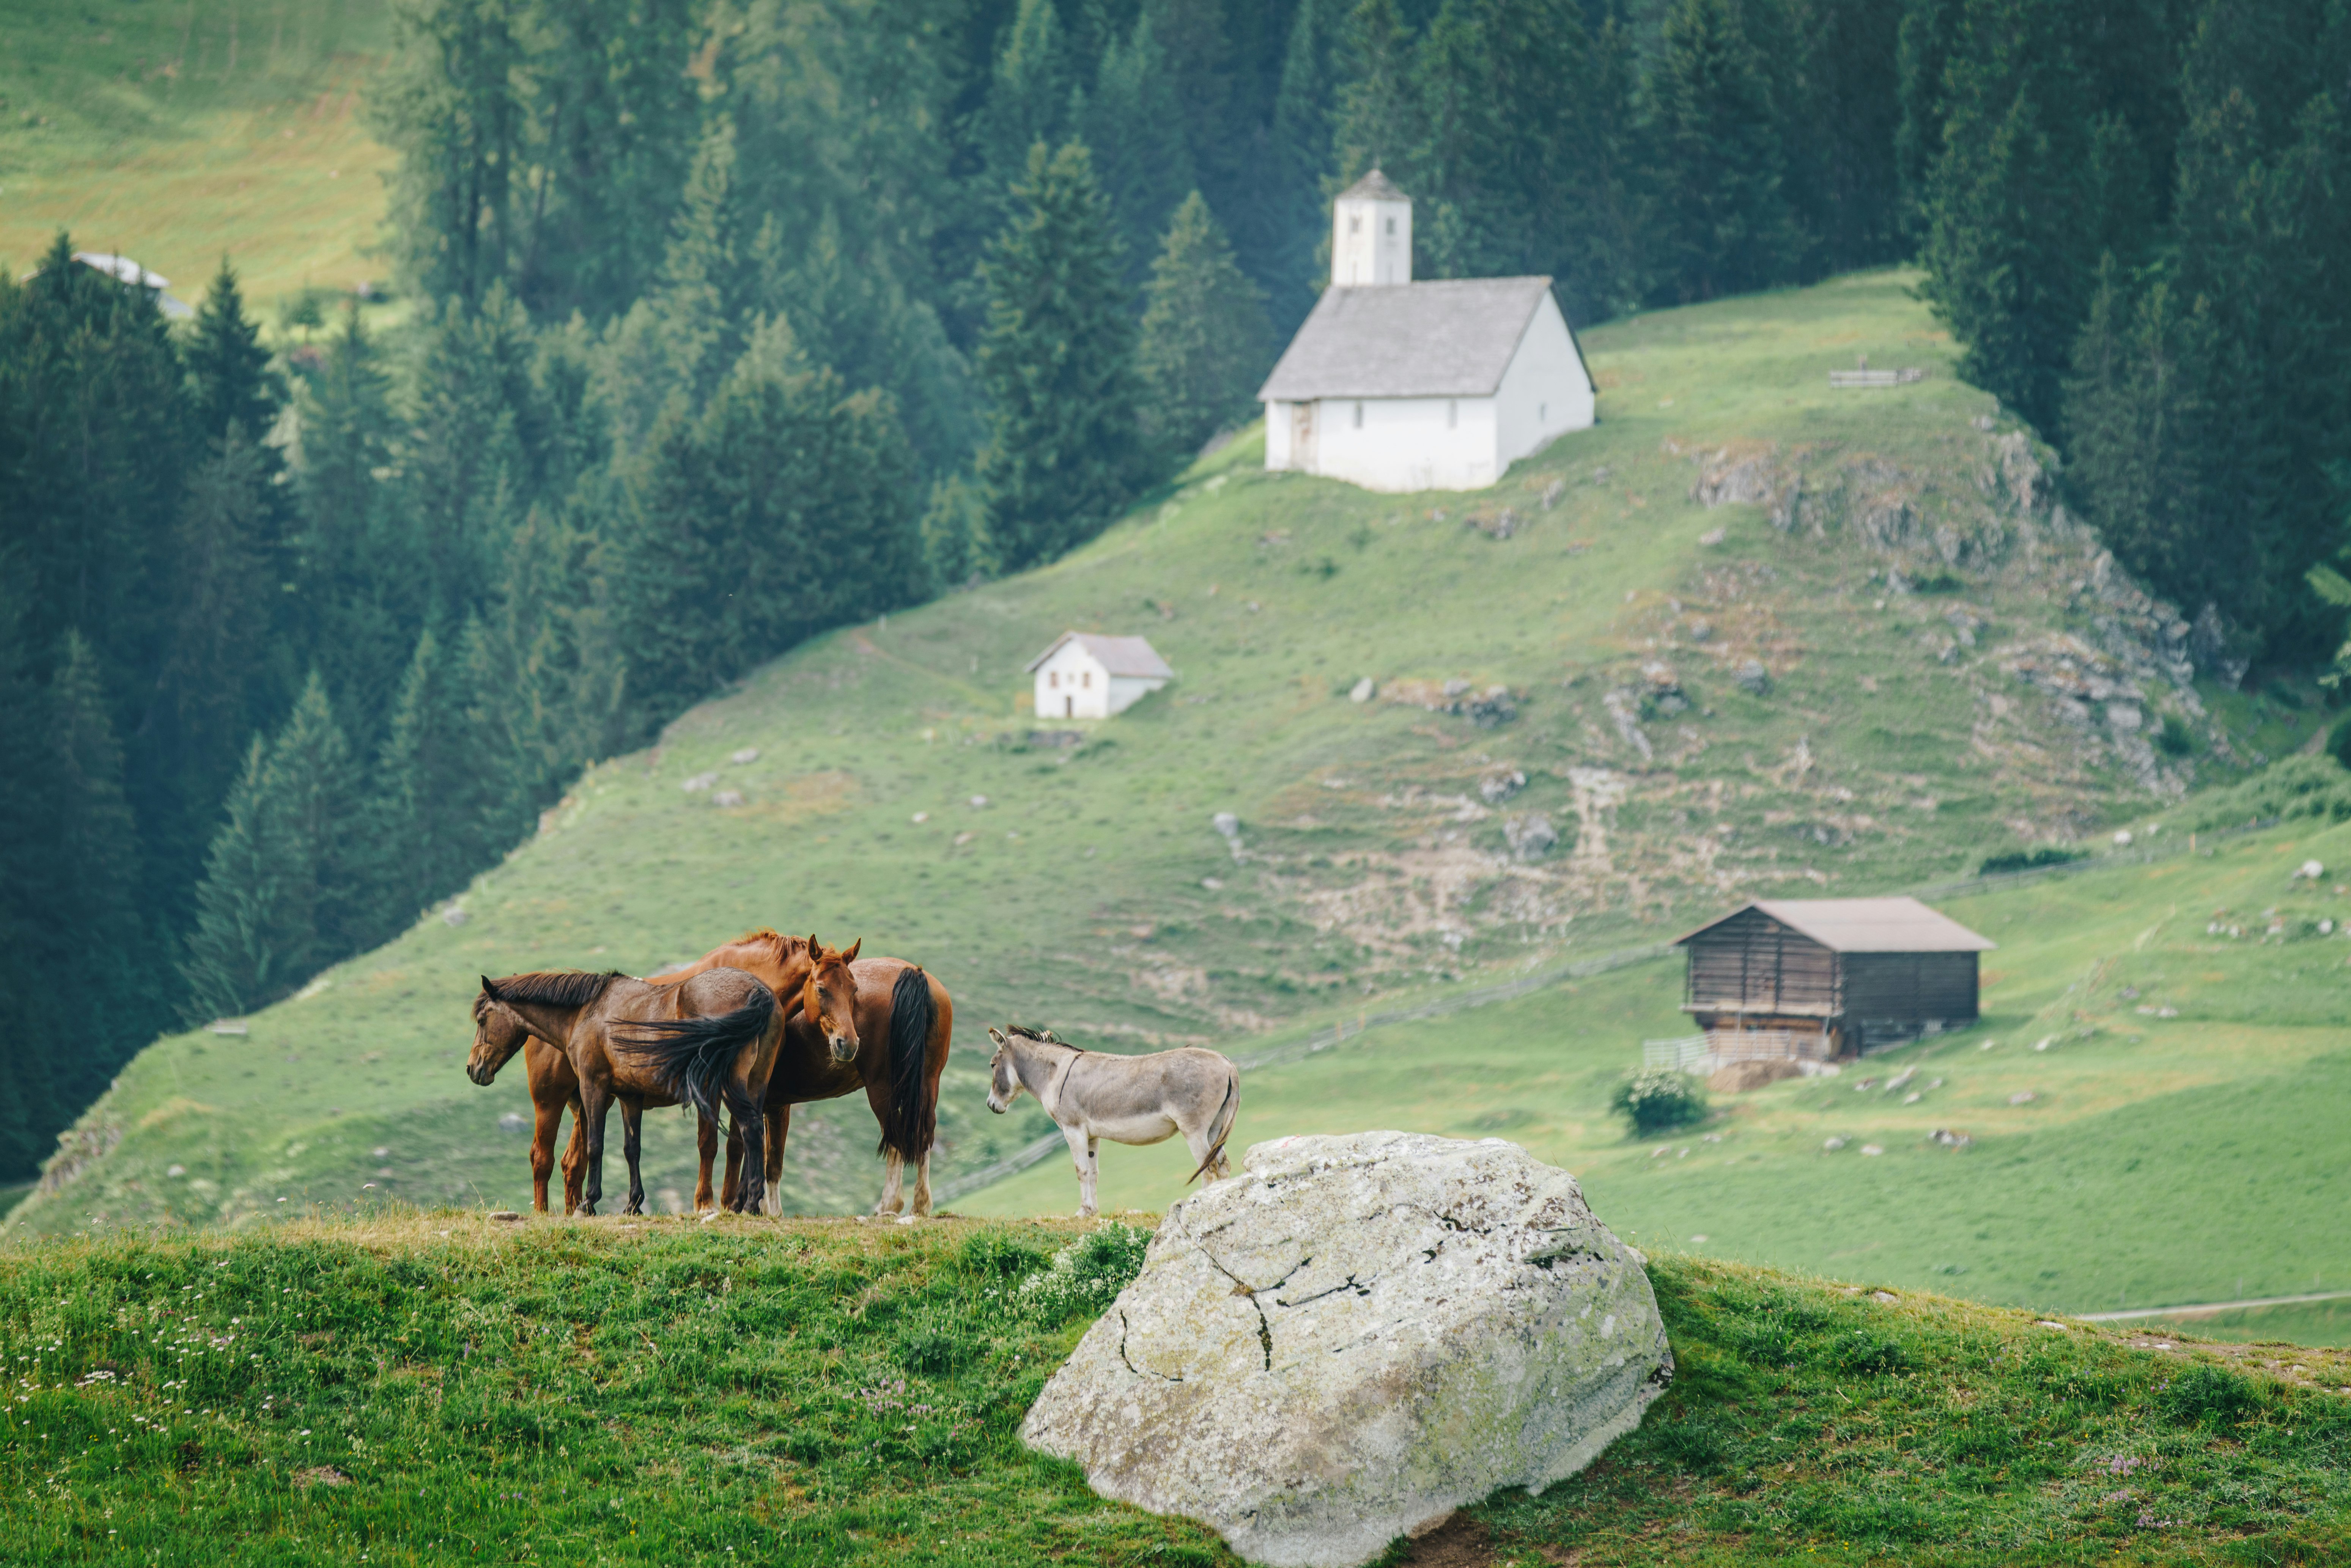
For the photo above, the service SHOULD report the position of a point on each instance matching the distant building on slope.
(1829, 976)
(129, 274)
(1085, 676)
(1397, 385)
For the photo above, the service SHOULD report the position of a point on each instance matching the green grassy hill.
(177, 134)
(440, 1388)
(1947, 670)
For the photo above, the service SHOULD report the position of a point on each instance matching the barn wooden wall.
(1906, 987)
(1753, 961)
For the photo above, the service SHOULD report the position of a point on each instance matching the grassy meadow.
(177, 134)
(440, 1388)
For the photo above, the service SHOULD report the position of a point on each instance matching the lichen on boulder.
(1353, 1337)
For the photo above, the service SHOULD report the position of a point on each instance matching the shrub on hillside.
(2026, 860)
(2338, 743)
(1081, 1280)
(1659, 1098)
(2208, 1396)
(2297, 786)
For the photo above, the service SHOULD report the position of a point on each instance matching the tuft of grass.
(430, 1387)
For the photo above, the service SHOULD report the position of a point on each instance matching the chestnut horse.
(708, 1041)
(902, 1024)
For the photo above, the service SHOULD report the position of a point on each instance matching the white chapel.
(1397, 385)
(1083, 676)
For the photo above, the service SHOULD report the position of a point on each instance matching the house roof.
(1130, 656)
(1374, 187)
(1864, 924)
(1448, 339)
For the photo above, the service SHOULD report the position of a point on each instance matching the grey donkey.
(1096, 1095)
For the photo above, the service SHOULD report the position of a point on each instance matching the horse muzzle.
(844, 1050)
(481, 1072)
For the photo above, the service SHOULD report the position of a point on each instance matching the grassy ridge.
(431, 1388)
(2156, 1159)
(179, 134)
(1091, 892)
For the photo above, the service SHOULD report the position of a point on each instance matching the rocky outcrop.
(1355, 1337)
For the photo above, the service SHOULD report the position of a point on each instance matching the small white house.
(1085, 676)
(1397, 385)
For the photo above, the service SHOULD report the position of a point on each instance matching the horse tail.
(912, 1117)
(1223, 1126)
(693, 1058)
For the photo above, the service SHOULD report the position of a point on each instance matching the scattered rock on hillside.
(1499, 784)
(1531, 837)
(1362, 691)
(1353, 1339)
(1754, 678)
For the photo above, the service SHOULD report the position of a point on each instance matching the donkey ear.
(996, 1035)
(854, 946)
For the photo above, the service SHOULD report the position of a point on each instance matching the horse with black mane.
(708, 1041)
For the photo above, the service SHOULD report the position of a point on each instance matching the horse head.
(499, 1033)
(828, 996)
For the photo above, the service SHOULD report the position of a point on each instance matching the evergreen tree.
(1144, 171)
(471, 444)
(2132, 412)
(1375, 123)
(451, 104)
(1028, 98)
(954, 533)
(1928, 36)
(1057, 359)
(1298, 155)
(281, 896)
(1203, 347)
(1723, 223)
(434, 789)
(229, 376)
(213, 684)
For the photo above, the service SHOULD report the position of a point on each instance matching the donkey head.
(828, 996)
(1004, 1084)
(499, 1033)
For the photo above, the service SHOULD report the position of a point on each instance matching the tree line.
(727, 322)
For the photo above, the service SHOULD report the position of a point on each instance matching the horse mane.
(554, 988)
(772, 937)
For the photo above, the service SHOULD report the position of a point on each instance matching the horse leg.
(575, 1157)
(705, 1144)
(633, 1118)
(779, 1126)
(734, 1183)
(923, 1183)
(1078, 1141)
(546, 1120)
(750, 1122)
(893, 1182)
(594, 1102)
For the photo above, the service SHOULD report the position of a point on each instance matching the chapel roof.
(1131, 656)
(1448, 339)
(1864, 924)
(1374, 187)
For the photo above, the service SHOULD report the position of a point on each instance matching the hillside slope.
(433, 1388)
(1730, 510)
(179, 134)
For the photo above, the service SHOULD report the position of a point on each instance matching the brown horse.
(897, 1033)
(710, 1040)
(782, 963)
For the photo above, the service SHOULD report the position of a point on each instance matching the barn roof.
(1448, 338)
(1864, 924)
(1131, 656)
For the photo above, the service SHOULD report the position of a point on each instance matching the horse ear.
(815, 947)
(854, 946)
(489, 987)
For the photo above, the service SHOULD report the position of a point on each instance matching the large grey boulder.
(1353, 1337)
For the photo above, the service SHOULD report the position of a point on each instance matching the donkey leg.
(1093, 1174)
(633, 1118)
(1077, 1141)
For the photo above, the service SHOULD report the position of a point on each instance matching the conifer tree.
(1298, 155)
(477, 430)
(94, 910)
(1375, 124)
(1027, 99)
(2132, 412)
(1203, 347)
(426, 812)
(1126, 122)
(1724, 222)
(228, 370)
(1057, 359)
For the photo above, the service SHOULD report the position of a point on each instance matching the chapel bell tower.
(1371, 235)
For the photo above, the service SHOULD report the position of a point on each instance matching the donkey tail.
(693, 1057)
(1222, 1128)
(908, 1127)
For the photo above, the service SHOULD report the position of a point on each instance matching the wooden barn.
(1823, 977)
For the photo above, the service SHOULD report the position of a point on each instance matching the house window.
(1052, 678)
(1086, 679)
(1542, 413)
(1359, 417)
(1391, 226)
(1354, 225)
(1452, 412)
